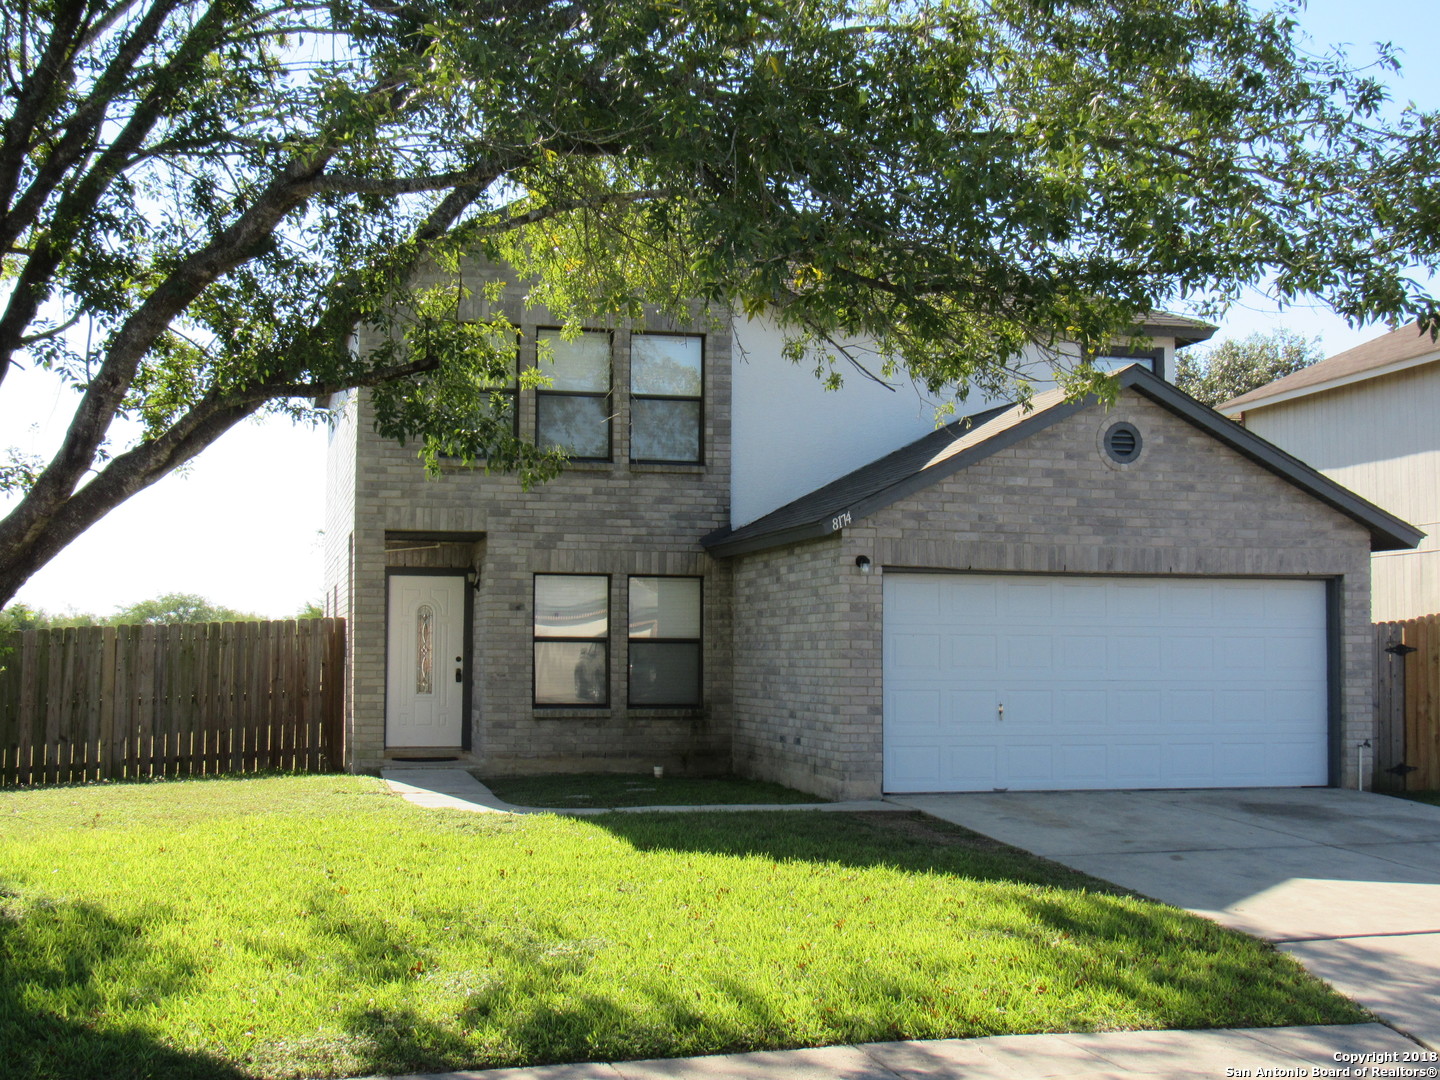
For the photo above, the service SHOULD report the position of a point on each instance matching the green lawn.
(319, 926)
(1431, 797)
(562, 791)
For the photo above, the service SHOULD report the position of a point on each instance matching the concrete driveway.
(1346, 882)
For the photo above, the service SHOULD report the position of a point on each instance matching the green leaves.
(225, 195)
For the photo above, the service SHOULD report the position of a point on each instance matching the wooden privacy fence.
(185, 699)
(1407, 704)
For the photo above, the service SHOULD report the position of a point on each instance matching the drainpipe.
(1360, 779)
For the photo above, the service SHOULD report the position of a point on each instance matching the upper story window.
(667, 379)
(501, 394)
(1114, 360)
(573, 412)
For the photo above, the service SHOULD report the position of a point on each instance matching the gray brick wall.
(808, 623)
(614, 518)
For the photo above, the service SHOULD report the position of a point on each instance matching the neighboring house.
(1367, 418)
(741, 572)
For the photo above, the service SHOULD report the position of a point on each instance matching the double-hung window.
(667, 379)
(572, 646)
(500, 396)
(573, 412)
(665, 641)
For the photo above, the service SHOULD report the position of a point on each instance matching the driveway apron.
(1347, 882)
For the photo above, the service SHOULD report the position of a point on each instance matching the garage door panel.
(1135, 709)
(1133, 600)
(1188, 709)
(1189, 764)
(918, 651)
(1082, 708)
(1138, 764)
(1131, 655)
(1081, 764)
(1240, 600)
(1187, 656)
(1105, 682)
(1077, 654)
(972, 653)
(1028, 762)
(1289, 652)
(967, 765)
(914, 711)
(1241, 653)
(1189, 600)
(916, 765)
(971, 708)
(1026, 598)
(1027, 709)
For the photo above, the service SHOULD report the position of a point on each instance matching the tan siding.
(1380, 439)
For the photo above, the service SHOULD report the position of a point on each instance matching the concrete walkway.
(1347, 882)
(1178, 1055)
(456, 789)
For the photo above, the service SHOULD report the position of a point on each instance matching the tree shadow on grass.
(53, 955)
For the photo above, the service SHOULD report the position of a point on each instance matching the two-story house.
(740, 571)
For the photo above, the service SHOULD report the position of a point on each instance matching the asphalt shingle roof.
(917, 465)
(1406, 343)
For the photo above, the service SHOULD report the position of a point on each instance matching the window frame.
(541, 392)
(698, 642)
(513, 390)
(700, 447)
(1155, 355)
(536, 639)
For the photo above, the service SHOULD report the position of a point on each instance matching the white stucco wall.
(790, 435)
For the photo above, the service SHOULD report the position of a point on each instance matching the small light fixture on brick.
(863, 562)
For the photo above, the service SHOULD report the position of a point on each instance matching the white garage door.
(1059, 682)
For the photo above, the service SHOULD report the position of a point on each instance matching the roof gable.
(942, 453)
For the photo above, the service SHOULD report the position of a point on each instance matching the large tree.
(1236, 366)
(201, 199)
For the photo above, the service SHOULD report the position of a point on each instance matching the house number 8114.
(840, 521)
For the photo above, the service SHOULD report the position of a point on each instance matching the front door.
(425, 669)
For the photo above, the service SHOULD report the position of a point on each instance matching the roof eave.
(1246, 403)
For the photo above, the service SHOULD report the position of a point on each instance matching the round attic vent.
(1122, 443)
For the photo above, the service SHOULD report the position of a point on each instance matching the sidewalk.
(1177, 1055)
(456, 789)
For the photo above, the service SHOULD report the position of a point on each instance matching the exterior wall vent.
(1122, 443)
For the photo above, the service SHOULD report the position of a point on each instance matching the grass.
(318, 926)
(1431, 797)
(562, 791)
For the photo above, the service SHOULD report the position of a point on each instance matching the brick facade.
(792, 636)
(808, 705)
(613, 518)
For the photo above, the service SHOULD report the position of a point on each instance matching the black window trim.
(699, 458)
(1155, 355)
(698, 642)
(535, 639)
(512, 391)
(608, 396)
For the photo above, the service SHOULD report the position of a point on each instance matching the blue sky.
(242, 525)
